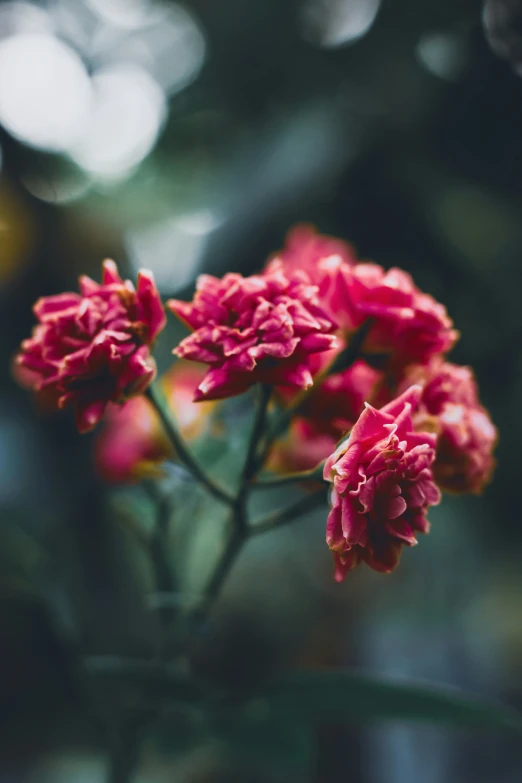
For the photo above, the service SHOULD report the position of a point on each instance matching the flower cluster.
(357, 356)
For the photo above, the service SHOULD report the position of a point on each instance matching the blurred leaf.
(164, 683)
(253, 736)
(342, 695)
(21, 556)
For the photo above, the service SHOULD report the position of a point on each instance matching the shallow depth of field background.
(190, 137)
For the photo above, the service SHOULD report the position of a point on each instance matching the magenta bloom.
(408, 324)
(450, 406)
(382, 487)
(322, 258)
(257, 329)
(93, 348)
(328, 413)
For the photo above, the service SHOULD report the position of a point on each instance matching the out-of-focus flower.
(93, 348)
(257, 329)
(408, 325)
(307, 250)
(337, 403)
(328, 413)
(132, 443)
(322, 258)
(450, 406)
(382, 487)
(302, 448)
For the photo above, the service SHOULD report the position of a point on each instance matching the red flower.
(450, 406)
(329, 412)
(92, 348)
(132, 443)
(257, 329)
(321, 257)
(408, 324)
(382, 487)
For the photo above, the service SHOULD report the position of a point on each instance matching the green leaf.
(255, 736)
(165, 682)
(343, 695)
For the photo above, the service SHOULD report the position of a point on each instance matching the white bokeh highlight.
(45, 91)
(127, 113)
(332, 23)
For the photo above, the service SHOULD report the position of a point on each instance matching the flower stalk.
(289, 514)
(163, 573)
(182, 451)
(303, 476)
(239, 515)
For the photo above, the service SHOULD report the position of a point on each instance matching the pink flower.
(132, 443)
(94, 347)
(408, 324)
(302, 448)
(382, 487)
(329, 412)
(450, 406)
(257, 329)
(337, 403)
(321, 257)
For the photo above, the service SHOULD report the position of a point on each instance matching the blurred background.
(190, 136)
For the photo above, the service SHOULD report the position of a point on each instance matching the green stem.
(123, 759)
(224, 565)
(257, 431)
(239, 521)
(181, 449)
(163, 574)
(315, 474)
(280, 518)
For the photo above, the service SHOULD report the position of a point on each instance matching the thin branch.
(289, 514)
(315, 474)
(239, 521)
(182, 452)
(123, 758)
(163, 573)
(226, 561)
(257, 432)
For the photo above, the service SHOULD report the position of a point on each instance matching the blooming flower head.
(321, 257)
(132, 443)
(406, 323)
(382, 487)
(450, 406)
(93, 348)
(329, 412)
(257, 329)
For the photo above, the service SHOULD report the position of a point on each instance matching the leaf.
(255, 736)
(163, 682)
(343, 695)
